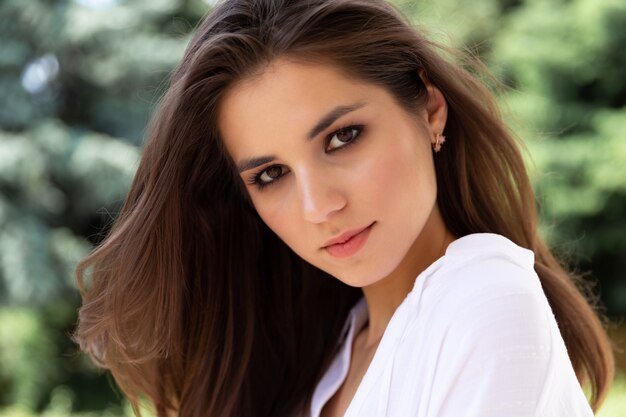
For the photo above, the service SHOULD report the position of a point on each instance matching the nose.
(320, 196)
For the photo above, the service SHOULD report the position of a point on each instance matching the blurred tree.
(564, 67)
(80, 79)
(567, 64)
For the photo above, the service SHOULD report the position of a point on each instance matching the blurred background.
(80, 78)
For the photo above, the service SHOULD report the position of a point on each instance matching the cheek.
(402, 176)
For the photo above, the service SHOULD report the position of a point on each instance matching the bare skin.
(380, 174)
(360, 359)
(366, 343)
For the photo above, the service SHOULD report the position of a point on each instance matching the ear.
(436, 107)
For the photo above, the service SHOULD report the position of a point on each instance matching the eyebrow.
(319, 127)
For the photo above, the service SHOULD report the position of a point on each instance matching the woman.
(330, 218)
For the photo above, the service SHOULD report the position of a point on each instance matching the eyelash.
(256, 178)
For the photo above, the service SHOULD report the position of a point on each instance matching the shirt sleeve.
(498, 357)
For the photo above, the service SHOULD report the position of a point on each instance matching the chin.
(362, 273)
(358, 280)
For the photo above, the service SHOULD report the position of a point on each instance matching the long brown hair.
(195, 304)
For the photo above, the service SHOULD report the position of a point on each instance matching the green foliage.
(62, 404)
(615, 403)
(28, 352)
(566, 65)
(80, 79)
(54, 179)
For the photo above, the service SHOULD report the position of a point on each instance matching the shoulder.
(487, 289)
(488, 329)
(482, 266)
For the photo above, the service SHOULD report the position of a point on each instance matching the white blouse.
(475, 337)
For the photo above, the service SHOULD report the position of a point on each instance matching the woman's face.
(322, 154)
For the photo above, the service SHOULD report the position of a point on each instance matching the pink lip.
(348, 243)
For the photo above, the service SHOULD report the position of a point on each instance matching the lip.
(344, 237)
(351, 245)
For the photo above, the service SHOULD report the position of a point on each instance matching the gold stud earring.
(439, 140)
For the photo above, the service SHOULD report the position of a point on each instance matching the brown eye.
(270, 174)
(343, 137)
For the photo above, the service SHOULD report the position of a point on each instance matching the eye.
(344, 136)
(341, 138)
(268, 175)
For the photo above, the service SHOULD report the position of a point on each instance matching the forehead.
(285, 82)
(287, 98)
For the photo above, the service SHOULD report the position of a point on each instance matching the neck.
(384, 296)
